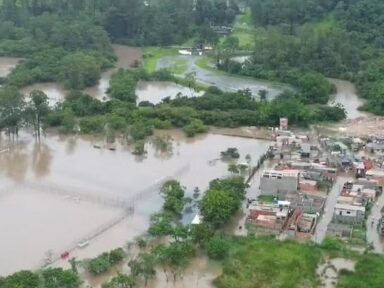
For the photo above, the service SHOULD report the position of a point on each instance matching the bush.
(94, 124)
(195, 127)
(218, 248)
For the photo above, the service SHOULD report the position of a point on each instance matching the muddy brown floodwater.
(155, 91)
(126, 57)
(59, 192)
(7, 64)
(347, 96)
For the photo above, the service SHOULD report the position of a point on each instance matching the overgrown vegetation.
(300, 42)
(105, 261)
(47, 278)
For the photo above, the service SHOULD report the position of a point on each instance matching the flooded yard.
(57, 193)
(329, 271)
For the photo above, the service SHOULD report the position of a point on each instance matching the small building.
(274, 182)
(283, 123)
(376, 174)
(309, 203)
(342, 231)
(268, 218)
(348, 214)
(305, 151)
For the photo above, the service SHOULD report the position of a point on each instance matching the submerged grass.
(153, 54)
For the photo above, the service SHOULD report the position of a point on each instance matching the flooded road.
(373, 235)
(347, 96)
(44, 190)
(223, 80)
(326, 218)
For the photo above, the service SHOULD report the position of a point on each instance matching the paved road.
(373, 235)
(321, 228)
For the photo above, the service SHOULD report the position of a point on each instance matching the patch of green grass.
(368, 273)
(153, 54)
(204, 63)
(266, 262)
(246, 37)
(245, 19)
(358, 236)
(179, 66)
(266, 198)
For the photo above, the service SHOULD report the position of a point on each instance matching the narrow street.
(373, 236)
(330, 203)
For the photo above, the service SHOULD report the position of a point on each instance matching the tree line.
(300, 42)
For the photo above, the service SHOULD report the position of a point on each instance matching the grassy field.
(153, 54)
(265, 262)
(179, 66)
(244, 30)
(204, 63)
(368, 273)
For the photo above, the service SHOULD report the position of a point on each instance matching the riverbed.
(56, 193)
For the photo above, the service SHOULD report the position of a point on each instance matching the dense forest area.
(69, 41)
(340, 39)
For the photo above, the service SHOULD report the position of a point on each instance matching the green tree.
(173, 195)
(217, 248)
(123, 86)
(195, 127)
(39, 108)
(175, 257)
(21, 279)
(79, 70)
(217, 207)
(121, 281)
(263, 94)
(233, 168)
(57, 277)
(11, 109)
(144, 266)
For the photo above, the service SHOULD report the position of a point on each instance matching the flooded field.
(155, 91)
(126, 57)
(57, 193)
(54, 91)
(347, 96)
(224, 81)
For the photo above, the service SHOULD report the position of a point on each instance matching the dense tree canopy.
(340, 39)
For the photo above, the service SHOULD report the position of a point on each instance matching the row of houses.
(295, 186)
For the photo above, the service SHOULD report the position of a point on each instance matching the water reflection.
(41, 159)
(14, 160)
